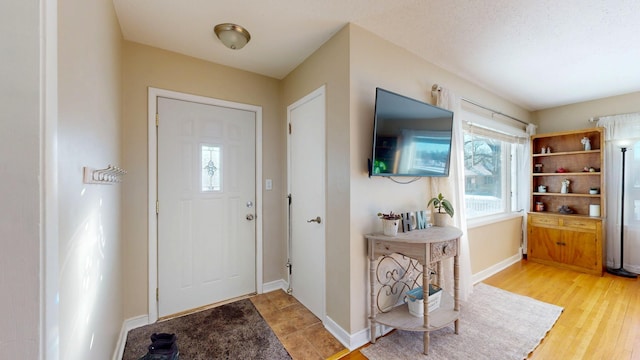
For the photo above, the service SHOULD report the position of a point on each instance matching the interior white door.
(206, 203)
(307, 189)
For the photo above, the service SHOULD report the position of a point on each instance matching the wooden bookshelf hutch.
(571, 237)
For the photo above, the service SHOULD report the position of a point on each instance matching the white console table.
(428, 247)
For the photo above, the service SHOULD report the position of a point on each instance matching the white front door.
(206, 204)
(307, 188)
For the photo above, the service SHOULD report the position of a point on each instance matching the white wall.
(89, 134)
(20, 122)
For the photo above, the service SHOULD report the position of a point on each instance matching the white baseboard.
(353, 341)
(490, 271)
(338, 332)
(127, 325)
(275, 285)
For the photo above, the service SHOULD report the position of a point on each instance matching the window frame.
(512, 141)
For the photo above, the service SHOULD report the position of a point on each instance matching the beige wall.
(378, 63)
(487, 249)
(145, 67)
(20, 170)
(89, 133)
(576, 116)
(329, 66)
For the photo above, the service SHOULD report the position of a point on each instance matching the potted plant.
(444, 208)
(390, 223)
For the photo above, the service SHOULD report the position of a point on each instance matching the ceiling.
(535, 53)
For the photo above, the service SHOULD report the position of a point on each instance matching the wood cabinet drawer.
(443, 250)
(406, 249)
(579, 223)
(544, 220)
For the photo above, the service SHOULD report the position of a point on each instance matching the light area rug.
(494, 324)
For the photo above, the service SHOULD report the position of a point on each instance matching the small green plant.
(389, 216)
(440, 203)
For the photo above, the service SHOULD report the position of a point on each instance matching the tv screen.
(410, 137)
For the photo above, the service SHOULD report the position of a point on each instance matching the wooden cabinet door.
(580, 249)
(542, 244)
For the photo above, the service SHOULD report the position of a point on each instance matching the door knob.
(250, 217)
(317, 220)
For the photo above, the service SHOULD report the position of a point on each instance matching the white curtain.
(524, 192)
(622, 131)
(452, 188)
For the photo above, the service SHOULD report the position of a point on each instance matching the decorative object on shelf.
(539, 206)
(543, 150)
(594, 210)
(415, 300)
(621, 270)
(565, 186)
(548, 149)
(109, 175)
(561, 170)
(415, 220)
(542, 188)
(594, 191)
(390, 223)
(564, 209)
(586, 143)
(537, 168)
(440, 204)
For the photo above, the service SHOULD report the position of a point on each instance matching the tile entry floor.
(301, 332)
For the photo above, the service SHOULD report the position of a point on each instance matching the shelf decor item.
(390, 223)
(565, 186)
(537, 168)
(415, 300)
(440, 203)
(620, 271)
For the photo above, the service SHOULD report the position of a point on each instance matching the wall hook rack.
(109, 175)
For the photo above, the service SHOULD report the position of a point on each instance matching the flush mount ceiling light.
(232, 36)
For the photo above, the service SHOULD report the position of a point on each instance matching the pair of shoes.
(163, 337)
(163, 347)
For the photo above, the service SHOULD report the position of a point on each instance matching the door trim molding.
(153, 94)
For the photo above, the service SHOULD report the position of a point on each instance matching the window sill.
(492, 219)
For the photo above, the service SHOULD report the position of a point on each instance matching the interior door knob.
(250, 217)
(317, 220)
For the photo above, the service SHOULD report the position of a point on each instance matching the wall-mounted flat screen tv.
(410, 137)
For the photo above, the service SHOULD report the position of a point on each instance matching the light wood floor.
(601, 317)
